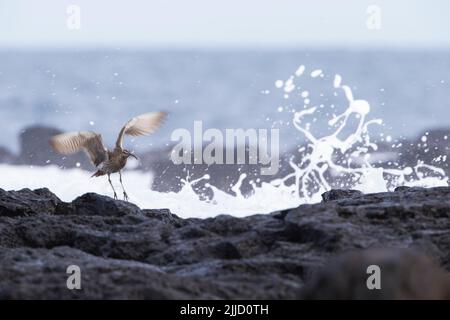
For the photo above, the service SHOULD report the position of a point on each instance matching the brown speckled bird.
(107, 161)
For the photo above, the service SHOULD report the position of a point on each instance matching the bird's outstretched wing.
(72, 142)
(141, 125)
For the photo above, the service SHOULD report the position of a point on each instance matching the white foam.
(314, 175)
(316, 73)
(355, 146)
(69, 184)
(279, 83)
(300, 70)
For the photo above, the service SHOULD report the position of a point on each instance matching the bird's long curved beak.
(134, 156)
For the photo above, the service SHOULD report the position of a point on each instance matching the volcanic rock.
(126, 252)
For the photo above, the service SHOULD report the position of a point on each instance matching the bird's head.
(129, 154)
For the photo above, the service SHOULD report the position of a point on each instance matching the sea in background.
(231, 89)
(100, 89)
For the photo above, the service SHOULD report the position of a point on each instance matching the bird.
(108, 161)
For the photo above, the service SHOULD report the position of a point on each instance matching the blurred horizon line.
(233, 48)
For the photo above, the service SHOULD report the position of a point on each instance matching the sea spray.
(331, 157)
(340, 158)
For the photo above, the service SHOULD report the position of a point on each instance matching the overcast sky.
(222, 23)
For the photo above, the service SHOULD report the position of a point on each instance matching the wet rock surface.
(126, 252)
(404, 274)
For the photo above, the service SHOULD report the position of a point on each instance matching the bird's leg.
(125, 196)
(115, 194)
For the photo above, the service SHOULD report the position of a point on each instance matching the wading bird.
(105, 160)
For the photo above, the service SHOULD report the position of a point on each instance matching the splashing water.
(340, 159)
(330, 156)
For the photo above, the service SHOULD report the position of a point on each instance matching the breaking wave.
(344, 157)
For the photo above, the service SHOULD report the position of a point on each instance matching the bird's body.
(115, 161)
(105, 160)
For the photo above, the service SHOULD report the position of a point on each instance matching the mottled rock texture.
(126, 252)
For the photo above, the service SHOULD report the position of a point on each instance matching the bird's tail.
(98, 174)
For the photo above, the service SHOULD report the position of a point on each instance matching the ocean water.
(100, 90)
(309, 101)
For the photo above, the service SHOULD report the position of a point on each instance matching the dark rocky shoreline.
(313, 251)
